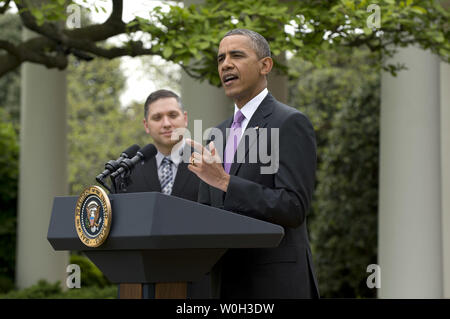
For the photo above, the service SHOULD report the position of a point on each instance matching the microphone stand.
(120, 183)
(102, 182)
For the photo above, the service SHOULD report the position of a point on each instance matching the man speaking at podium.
(281, 197)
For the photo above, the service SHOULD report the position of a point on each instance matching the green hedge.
(342, 101)
(93, 285)
(45, 290)
(9, 173)
(91, 276)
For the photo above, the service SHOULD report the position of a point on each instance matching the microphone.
(113, 165)
(127, 165)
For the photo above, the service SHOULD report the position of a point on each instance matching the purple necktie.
(233, 140)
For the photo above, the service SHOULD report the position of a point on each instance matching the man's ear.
(266, 65)
(185, 118)
(147, 129)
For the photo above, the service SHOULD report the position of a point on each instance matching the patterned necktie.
(233, 140)
(166, 177)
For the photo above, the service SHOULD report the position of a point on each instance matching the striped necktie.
(166, 176)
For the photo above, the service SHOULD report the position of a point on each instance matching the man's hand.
(206, 164)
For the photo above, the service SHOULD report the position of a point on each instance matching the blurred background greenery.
(341, 99)
(337, 86)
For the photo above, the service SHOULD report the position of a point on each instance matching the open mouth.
(229, 79)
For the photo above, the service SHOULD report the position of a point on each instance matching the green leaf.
(156, 48)
(167, 52)
(367, 31)
(439, 37)
(193, 50)
(37, 14)
(276, 51)
(297, 42)
(203, 45)
(247, 21)
(418, 10)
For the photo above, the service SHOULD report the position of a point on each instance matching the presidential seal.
(93, 216)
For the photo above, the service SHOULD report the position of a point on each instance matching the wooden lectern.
(159, 243)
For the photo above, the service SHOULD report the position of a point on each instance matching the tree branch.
(9, 47)
(5, 7)
(98, 32)
(35, 50)
(188, 72)
(117, 11)
(8, 63)
(133, 48)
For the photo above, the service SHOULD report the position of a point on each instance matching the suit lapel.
(180, 179)
(151, 175)
(259, 120)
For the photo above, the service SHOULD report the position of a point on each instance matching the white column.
(204, 102)
(445, 167)
(277, 83)
(410, 239)
(43, 161)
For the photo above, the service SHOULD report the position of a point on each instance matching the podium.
(159, 239)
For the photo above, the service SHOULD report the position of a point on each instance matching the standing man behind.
(281, 197)
(166, 172)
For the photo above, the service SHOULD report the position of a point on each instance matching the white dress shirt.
(250, 108)
(175, 157)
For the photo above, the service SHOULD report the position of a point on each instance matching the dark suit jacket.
(144, 178)
(282, 198)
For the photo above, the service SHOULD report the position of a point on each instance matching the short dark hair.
(160, 94)
(259, 43)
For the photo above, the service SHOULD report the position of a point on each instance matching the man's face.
(164, 117)
(241, 71)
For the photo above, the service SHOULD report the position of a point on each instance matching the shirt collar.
(175, 156)
(251, 106)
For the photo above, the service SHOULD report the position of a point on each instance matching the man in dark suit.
(167, 172)
(278, 192)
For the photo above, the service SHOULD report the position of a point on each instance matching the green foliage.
(305, 28)
(342, 101)
(56, 10)
(344, 234)
(9, 173)
(41, 290)
(10, 29)
(93, 285)
(99, 128)
(45, 290)
(189, 36)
